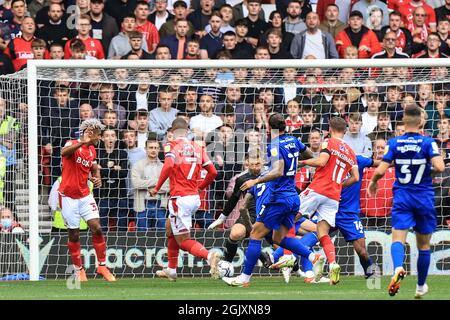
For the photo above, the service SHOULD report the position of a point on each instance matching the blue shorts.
(414, 211)
(275, 214)
(349, 224)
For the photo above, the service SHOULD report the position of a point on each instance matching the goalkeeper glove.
(219, 221)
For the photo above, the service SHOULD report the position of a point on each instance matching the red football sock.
(100, 247)
(329, 249)
(74, 250)
(291, 234)
(172, 252)
(195, 248)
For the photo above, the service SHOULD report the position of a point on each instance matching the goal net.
(227, 104)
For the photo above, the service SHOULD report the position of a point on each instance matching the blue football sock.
(309, 239)
(306, 264)
(423, 263)
(277, 254)
(398, 254)
(251, 255)
(366, 264)
(297, 247)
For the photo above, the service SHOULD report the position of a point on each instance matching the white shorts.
(180, 213)
(73, 210)
(312, 202)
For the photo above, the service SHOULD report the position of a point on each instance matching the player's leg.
(366, 262)
(398, 256)
(237, 233)
(172, 254)
(423, 263)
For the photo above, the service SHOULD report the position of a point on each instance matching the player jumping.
(280, 203)
(76, 200)
(184, 160)
(415, 157)
(336, 160)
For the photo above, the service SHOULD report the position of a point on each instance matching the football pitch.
(269, 288)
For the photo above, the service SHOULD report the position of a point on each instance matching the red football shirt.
(407, 11)
(396, 4)
(189, 159)
(150, 33)
(94, 48)
(75, 171)
(328, 180)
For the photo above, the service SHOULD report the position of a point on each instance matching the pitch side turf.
(350, 288)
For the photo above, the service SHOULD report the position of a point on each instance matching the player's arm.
(275, 173)
(210, 176)
(354, 177)
(307, 154)
(169, 163)
(230, 205)
(379, 173)
(248, 199)
(96, 178)
(438, 165)
(70, 148)
(320, 161)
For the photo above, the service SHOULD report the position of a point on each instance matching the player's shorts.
(181, 210)
(325, 208)
(409, 211)
(72, 210)
(248, 228)
(275, 214)
(349, 224)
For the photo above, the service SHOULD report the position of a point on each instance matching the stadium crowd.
(228, 117)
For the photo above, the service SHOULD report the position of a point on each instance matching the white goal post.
(34, 68)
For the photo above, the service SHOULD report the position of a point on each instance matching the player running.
(336, 160)
(278, 204)
(184, 160)
(347, 217)
(76, 200)
(415, 157)
(243, 225)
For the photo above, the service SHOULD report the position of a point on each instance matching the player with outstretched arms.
(76, 200)
(184, 160)
(415, 158)
(335, 162)
(280, 204)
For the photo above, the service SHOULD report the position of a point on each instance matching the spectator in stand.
(256, 26)
(442, 138)
(313, 41)
(274, 43)
(104, 27)
(161, 118)
(312, 97)
(147, 28)
(226, 13)
(261, 115)
(5, 11)
(393, 105)
(37, 50)
(136, 43)
(56, 51)
(400, 129)
(193, 52)
(438, 109)
(120, 44)
(383, 129)
(19, 11)
(41, 17)
(78, 51)
(330, 22)
(242, 110)
(359, 36)
(6, 65)
(407, 11)
(339, 108)
(55, 29)
(390, 50)
(366, 6)
(293, 119)
(290, 88)
(113, 165)
(241, 50)
(376, 22)
(118, 9)
(377, 210)
(189, 104)
(425, 96)
(34, 6)
(106, 102)
(180, 12)
(82, 7)
(355, 138)
(443, 11)
(94, 47)
(419, 30)
(240, 11)
(404, 40)
(141, 119)
(293, 22)
(443, 30)
(85, 112)
(200, 18)
(432, 50)
(7, 222)
(212, 41)
(150, 211)
(110, 119)
(276, 23)
(370, 117)
(206, 122)
(344, 8)
(308, 126)
(19, 49)
(161, 15)
(177, 43)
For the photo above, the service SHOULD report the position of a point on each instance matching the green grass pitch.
(350, 288)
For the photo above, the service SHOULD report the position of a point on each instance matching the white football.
(226, 269)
